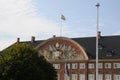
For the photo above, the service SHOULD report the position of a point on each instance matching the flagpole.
(61, 29)
(97, 25)
(62, 18)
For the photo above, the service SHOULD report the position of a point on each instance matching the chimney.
(99, 34)
(54, 36)
(18, 40)
(32, 39)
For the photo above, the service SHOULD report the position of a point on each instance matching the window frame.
(108, 65)
(116, 65)
(56, 66)
(91, 65)
(82, 65)
(74, 65)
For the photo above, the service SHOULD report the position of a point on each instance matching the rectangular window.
(82, 65)
(74, 77)
(117, 77)
(91, 77)
(82, 77)
(74, 65)
(91, 65)
(66, 77)
(58, 76)
(116, 65)
(100, 77)
(107, 65)
(100, 65)
(108, 77)
(68, 65)
(56, 66)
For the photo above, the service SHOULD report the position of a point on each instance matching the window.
(74, 66)
(100, 77)
(58, 76)
(82, 65)
(108, 77)
(100, 47)
(68, 65)
(82, 77)
(117, 77)
(74, 77)
(107, 65)
(66, 77)
(56, 66)
(116, 65)
(100, 65)
(91, 77)
(91, 65)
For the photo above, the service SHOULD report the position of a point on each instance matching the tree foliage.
(21, 62)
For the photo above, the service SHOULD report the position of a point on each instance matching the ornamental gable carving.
(61, 49)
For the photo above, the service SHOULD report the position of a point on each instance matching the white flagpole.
(61, 29)
(97, 5)
(62, 18)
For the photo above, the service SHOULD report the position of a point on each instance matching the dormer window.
(110, 53)
(100, 47)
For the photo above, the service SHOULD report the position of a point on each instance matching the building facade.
(74, 58)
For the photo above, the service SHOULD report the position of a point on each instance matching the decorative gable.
(61, 48)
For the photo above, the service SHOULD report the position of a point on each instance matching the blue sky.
(41, 18)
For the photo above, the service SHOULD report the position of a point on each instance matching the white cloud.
(117, 32)
(19, 18)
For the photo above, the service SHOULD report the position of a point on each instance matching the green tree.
(21, 62)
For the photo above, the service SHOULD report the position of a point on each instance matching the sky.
(42, 19)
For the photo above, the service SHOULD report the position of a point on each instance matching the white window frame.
(58, 75)
(82, 65)
(74, 65)
(68, 64)
(91, 65)
(108, 65)
(91, 77)
(116, 65)
(100, 76)
(117, 77)
(66, 77)
(100, 65)
(108, 77)
(74, 76)
(81, 76)
(56, 66)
